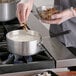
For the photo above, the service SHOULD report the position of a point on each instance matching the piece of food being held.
(46, 14)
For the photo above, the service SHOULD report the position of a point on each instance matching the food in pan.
(47, 73)
(46, 14)
(26, 37)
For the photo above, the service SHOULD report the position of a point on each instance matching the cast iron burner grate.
(8, 58)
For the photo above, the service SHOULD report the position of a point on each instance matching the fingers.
(29, 8)
(21, 10)
(27, 13)
(57, 21)
(56, 16)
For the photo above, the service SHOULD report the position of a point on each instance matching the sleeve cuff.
(73, 11)
(24, 1)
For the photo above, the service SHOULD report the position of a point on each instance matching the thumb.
(55, 16)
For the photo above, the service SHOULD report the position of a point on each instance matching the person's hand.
(23, 11)
(60, 17)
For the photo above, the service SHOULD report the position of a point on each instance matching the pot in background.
(23, 47)
(8, 10)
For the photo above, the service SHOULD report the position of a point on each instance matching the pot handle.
(40, 43)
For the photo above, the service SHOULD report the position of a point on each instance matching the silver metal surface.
(35, 72)
(23, 48)
(8, 10)
(62, 56)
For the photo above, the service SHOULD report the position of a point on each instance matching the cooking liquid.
(24, 38)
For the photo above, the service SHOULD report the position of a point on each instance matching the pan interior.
(23, 36)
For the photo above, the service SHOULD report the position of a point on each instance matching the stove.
(53, 53)
(10, 62)
(62, 56)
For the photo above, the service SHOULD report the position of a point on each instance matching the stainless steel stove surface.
(14, 63)
(62, 56)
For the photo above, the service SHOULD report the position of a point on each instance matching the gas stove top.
(53, 55)
(10, 62)
(9, 58)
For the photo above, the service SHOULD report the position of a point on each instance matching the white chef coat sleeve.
(23, 1)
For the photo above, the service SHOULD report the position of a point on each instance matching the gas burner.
(8, 58)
